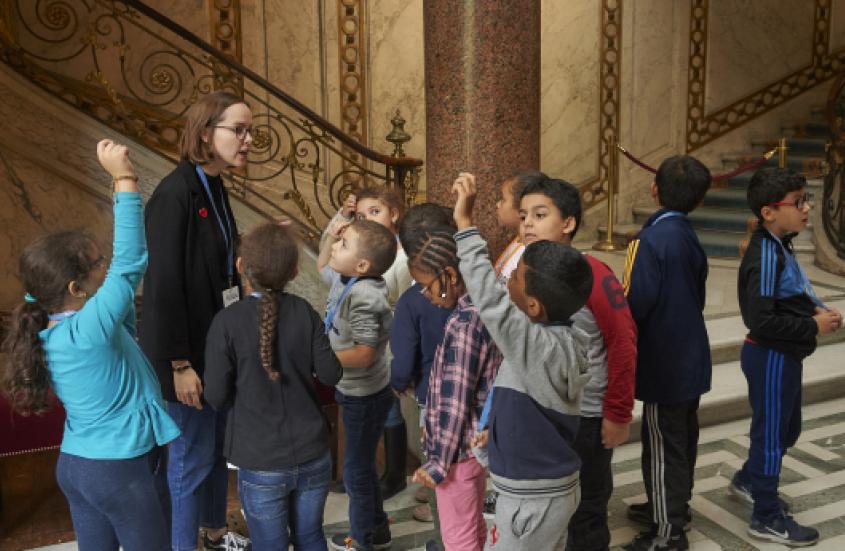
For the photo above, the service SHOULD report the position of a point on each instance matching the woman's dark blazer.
(186, 273)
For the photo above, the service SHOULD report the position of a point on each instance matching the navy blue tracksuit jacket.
(665, 276)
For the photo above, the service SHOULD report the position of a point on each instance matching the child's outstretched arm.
(114, 300)
(515, 334)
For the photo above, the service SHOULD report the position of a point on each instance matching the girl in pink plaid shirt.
(462, 374)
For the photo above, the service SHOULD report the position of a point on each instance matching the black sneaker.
(783, 529)
(431, 545)
(650, 541)
(641, 514)
(742, 491)
(381, 537)
(489, 509)
(230, 541)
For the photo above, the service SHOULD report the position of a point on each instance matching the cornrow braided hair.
(268, 319)
(434, 251)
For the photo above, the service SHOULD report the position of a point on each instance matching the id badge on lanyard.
(231, 294)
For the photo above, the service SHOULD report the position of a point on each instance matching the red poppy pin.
(204, 212)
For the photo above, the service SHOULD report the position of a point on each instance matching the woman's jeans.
(196, 473)
(289, 499)
(117, 502)
(363, 423)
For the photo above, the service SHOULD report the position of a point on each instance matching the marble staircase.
(727, 400)
(722, 221)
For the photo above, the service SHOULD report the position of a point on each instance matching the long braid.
(268, 320)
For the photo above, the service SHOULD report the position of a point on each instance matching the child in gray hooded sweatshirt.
(536, 405)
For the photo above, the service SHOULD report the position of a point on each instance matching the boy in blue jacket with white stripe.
(537, 404)
(783, 316)
(665, 276)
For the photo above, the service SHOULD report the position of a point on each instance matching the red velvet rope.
(715, 178)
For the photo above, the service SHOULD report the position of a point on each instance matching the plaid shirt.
(462, 374)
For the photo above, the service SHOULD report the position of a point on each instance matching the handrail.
(135, 70)
(275, 90)
(833, 201)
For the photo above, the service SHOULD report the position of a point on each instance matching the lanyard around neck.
(227, 235)
(332, 311)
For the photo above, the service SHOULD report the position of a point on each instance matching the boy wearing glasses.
(783, 316)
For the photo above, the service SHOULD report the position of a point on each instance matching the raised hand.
(464, 188)
(114, 158)
(348, 208)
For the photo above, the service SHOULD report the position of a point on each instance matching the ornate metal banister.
(833, 202)
(136, 70)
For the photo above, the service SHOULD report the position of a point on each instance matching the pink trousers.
(460, 499)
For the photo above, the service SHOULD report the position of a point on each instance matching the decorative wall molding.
(703, 128)
(594, 190)
(226, 27)
(352, 49)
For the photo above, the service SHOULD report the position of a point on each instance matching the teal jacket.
(107, 386)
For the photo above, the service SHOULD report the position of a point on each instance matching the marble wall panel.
(754, 43)
(837, 26)
(569, 96)
(396, 72)
(34, 202)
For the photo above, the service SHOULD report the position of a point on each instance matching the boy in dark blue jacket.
(665, 276)
(783, 316)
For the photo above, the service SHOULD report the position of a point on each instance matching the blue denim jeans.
(196, 473)
(363, 423)
(291, 499)
(117, 502)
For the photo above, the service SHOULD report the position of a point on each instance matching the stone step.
(707, 218)
(796, 146)
(808, 129)
(728, 398)
(809, 165)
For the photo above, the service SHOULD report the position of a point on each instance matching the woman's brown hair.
(204, 113)
(269, 255)
(46, 267)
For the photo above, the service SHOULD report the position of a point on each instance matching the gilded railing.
(833, 203)
(138, 71)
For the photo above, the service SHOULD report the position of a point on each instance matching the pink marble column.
(482, 88)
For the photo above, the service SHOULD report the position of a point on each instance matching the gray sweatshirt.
(362, 317)
(536, 403)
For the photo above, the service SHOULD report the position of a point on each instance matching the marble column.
(482, 95)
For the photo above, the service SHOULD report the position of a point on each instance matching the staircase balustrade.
(833, 201)
(132, 68)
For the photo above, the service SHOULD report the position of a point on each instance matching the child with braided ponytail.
(262, 355)
(462, 374)
(75, 333)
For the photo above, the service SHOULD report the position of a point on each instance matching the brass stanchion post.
(609, 244)
(782, 153)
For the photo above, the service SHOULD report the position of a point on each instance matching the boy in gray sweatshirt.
(536, 405)
(352, 259)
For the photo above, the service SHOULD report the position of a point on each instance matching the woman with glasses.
(191, 237)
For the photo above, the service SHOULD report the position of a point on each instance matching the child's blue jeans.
(117, 502)
(292, 498)
(774, 392)
(363, 424)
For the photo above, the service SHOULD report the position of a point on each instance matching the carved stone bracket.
(703, 128)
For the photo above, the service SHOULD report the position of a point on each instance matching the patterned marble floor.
(813, 480)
